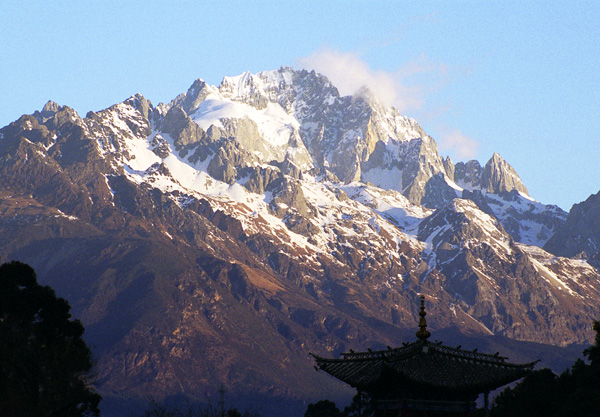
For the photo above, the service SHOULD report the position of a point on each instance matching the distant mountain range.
(219, 238)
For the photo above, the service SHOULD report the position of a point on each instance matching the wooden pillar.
(403, 412)
(486, 403)
(359, 403)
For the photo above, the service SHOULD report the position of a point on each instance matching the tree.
(323, 408)
(593, 352)
(361, 406)
(576, 392)
(161, 410)
(44, 362)
(537, 395)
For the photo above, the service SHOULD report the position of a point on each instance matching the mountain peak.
(498, 176)
(140, 103)
(195, 95)
(51, 107)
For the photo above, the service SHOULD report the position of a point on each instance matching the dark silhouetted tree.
(593, 352)
(361, 406)
(160, 410)
(323, 408)
(536, 395)
(576, 392)
(44, 362)
(233, 413)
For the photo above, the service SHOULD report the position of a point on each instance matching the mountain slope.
(580, 234)
(219, 238)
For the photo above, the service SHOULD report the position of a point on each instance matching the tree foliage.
(44, 362)
(575, 392)
(361, 405)
(160, 410)
(323, 408)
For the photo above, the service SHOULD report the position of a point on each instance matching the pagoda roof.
(427, 364)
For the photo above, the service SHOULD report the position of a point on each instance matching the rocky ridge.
(580, 234)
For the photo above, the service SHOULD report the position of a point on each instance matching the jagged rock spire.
(51, 107)
(498, 175)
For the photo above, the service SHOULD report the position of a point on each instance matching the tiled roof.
(428, 365)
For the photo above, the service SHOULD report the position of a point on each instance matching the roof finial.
(423, 334)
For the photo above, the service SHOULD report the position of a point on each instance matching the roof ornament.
(423, 334)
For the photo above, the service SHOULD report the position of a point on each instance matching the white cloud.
(463, 146)
(407, 89)
(350, 73)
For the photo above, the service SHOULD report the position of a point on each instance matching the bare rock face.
(499, 176)
(196, 94)
(183, 130)
(408, 167)
(142, 105)
(229, 157)
(425, 165)
(580, 234)
(437, 192)
(174, 121)
(468, 175)
(289, 197)
(246, 133)
(262, 179)
(450, 168)
(160, 147)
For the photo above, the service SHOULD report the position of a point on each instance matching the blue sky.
(518, 78)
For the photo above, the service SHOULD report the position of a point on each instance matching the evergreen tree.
(576, 392)
(361, 406)
(536, 395)
(44, 362)
(323, 408)
(593, 352)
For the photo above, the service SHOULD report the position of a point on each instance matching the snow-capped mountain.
(270, 208)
